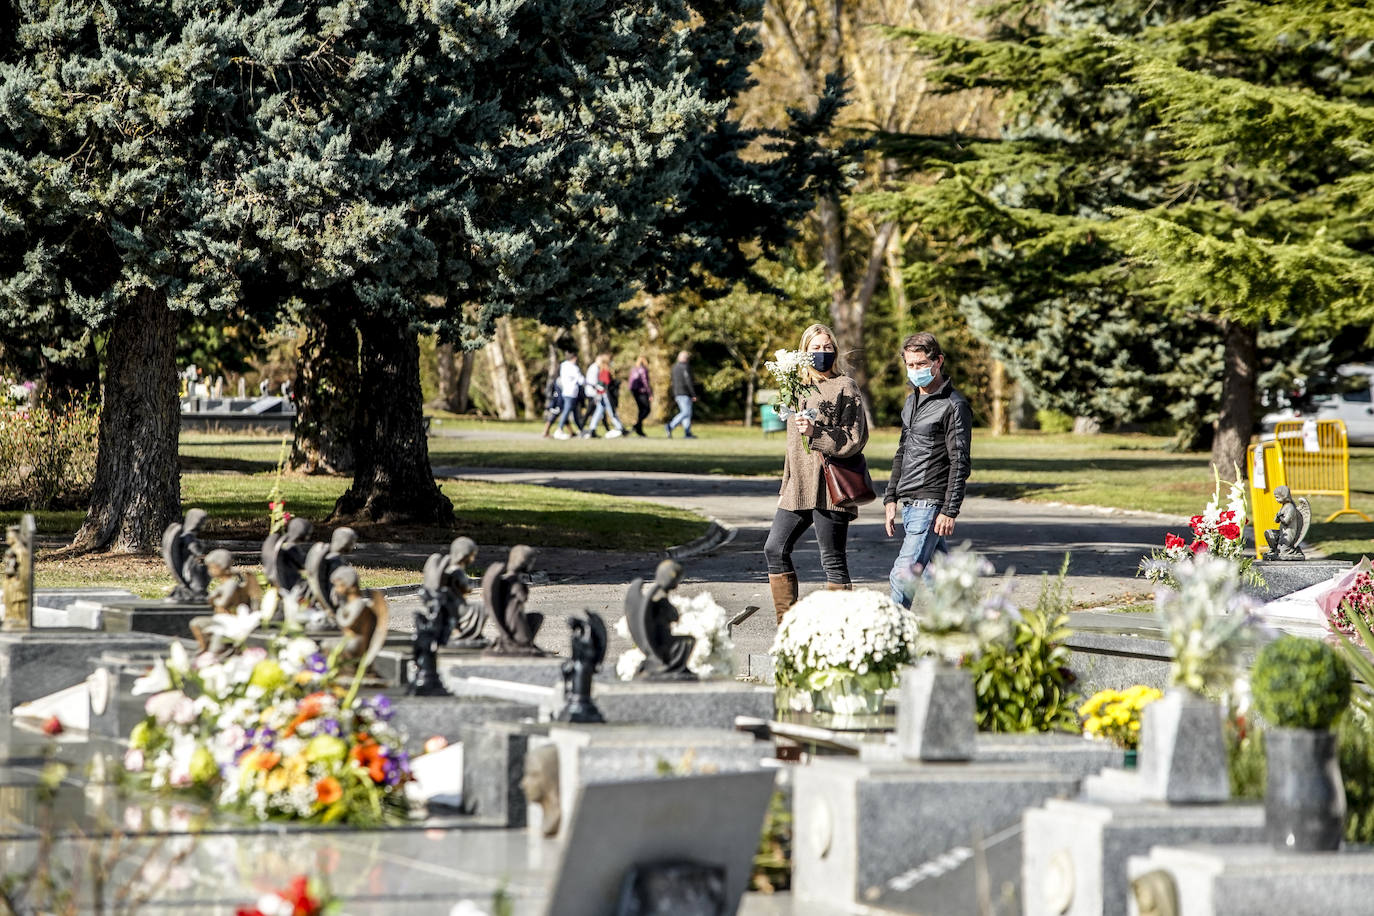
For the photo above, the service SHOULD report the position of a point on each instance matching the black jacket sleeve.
(958, 442)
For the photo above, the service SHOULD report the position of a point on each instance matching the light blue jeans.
(604, 408)
(918, 545)
(684, 414)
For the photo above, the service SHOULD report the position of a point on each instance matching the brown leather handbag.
(848, 482)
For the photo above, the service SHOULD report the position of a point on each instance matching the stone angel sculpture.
(184, 555)
(447, 607)
(320, 562)
(364, 617)
(588, 652)
(650, 615)
(1293, 519)
(283, 562)
(506, 593)
(18, 580)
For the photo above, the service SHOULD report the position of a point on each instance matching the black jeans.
(832, 530)
(642, 402)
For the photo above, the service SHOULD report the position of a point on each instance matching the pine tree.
(1089, 240)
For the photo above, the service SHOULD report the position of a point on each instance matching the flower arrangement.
(1351, 596)
(788, 370)
(301, 897)
(1206, 621)
(713, 655)
(827, 636)
(958, 620)
(1219, 531)
(1114, 715)
(271, 733)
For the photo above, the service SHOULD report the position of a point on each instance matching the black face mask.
(822, 360)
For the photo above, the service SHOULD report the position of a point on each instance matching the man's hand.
(944, 525)
(890, 511)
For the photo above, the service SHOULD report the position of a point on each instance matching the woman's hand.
(805, 425)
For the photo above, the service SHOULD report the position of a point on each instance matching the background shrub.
(1300, 683)
(47, 453)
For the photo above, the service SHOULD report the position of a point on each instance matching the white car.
(1349, 396)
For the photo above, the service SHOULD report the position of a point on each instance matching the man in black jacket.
(931, 465)
(685, 393)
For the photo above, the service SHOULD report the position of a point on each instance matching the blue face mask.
(920, 377)
(822, 360)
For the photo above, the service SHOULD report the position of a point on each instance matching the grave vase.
(1304, 801)
(936, 717)
(1182, 752)
(845, 696)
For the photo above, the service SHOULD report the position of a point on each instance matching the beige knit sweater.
(841, 432)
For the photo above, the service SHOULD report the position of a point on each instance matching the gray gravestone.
(422, 718)
(493, 765)
(1075, 852)
(1182, 752)
(936, 717)
(36, 663)
(705, 820)
(863, 831)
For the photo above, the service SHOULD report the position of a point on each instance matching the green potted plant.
(1301, 686)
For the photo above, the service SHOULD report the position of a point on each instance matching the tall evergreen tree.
(117, 126)
(1057, 243)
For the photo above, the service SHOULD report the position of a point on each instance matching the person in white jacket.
(570, 382)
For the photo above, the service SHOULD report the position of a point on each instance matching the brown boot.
(784, 589)
(837, 587)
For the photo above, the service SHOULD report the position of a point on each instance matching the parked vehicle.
(1348, 396)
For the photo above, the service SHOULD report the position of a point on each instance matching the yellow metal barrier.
(1316, 460)
(1265, 471)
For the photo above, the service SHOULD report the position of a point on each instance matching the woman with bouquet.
(828, 422)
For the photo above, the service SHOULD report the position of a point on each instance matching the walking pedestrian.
(642, 390)
(931, 466)
(599, 379)
(685, 393)
(830, 422)
(570, 382)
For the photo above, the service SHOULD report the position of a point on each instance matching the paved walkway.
(1031, 538)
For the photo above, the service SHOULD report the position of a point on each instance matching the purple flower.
(380, 706)
(331, 727)
(317, 663)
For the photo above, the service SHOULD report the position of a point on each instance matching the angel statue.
(283, 562)
(1294, 519)
(651, 615)
(320, 562)
(185, 558)
(447, 606)
(505, 592)
(234, 595)
(588, 652)
(364, 617)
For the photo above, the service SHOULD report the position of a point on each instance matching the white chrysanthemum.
(843, 630)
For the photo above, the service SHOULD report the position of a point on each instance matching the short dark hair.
(926, 343)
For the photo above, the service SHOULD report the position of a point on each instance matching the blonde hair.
(810, 334)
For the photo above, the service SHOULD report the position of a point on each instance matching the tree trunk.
(849, 300)
(137, 487)
(465, 364)
(1086, 426)
(446, 367)
(1237, 413)
(522, 372)
(500, 380)
(583, 333)
(1001, 419)
(392, 480)
(326, 396)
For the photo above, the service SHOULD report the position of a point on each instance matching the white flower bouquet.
(959, 621)
(1219, 531)
(271, 733)
(788, 368)
(858, 635)
(713, 655)
(1207, 621)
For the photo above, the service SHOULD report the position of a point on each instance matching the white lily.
(155, 681)
(234, 628)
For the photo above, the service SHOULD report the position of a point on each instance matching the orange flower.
(328, 790)
(370, 756)
(267, 759)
